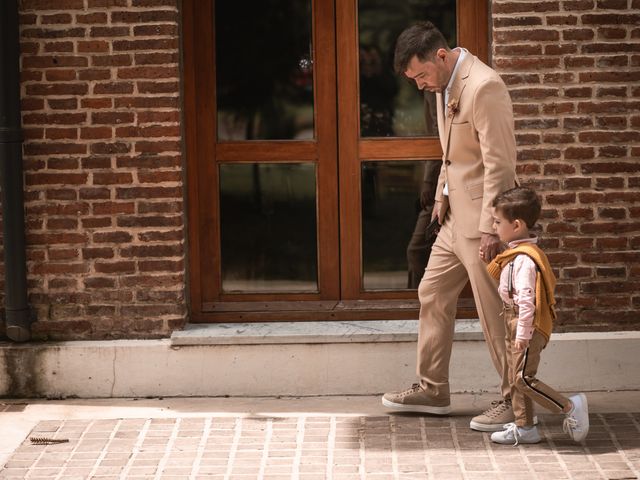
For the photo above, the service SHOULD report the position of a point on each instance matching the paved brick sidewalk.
(321, 447)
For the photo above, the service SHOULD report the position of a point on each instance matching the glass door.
(306, 155)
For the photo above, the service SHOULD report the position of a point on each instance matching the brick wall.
(573, 70)
(103, 162)
(103, 167)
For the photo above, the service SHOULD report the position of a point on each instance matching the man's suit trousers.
(454, 259)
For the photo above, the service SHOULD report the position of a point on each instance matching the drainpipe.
(17, 315)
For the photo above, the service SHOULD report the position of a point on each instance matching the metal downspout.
(17, 315)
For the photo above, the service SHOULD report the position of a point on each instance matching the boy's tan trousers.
(523, 367)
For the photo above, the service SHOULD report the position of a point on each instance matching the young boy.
(526, 288)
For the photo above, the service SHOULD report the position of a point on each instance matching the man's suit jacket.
(478, 141)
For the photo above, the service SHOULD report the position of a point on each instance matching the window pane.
(268, 227)
(390, 211)
(390, 106)
(264, 69)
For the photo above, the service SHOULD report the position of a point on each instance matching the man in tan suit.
(475, 125)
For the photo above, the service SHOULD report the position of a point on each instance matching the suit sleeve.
(493, 119)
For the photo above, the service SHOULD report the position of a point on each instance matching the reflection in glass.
(390, 207)
(264, 70)
(390, 106)
(268, 227)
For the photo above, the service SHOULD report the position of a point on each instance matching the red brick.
(54, 148)
(577, 183)
(61, 133)
(517, 50)
(611, 92)
(144, 16)
(112, 118)
(93, 253)
(113, 88)
(94, 193)
(112, 208)
(520, 7)
(96, 103)
(115, 267)
(61, 194)
(149, 221)
(158, 58)
(579, 153)
(146, 251)
(63, 253)
(58, 18)
(63, 103)
(166, 30)
(26, 5)
(579, 62)
(96, 17)
(610, 19)
(103, 148)
(96, 132)
(57, 47)
(112, 237)
(112, 178)
(97, 222)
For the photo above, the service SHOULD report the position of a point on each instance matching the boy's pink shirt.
(524, 289)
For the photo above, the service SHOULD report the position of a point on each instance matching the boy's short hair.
(519, 203)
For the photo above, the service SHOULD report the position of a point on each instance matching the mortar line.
(616, 443)
(392, 445)
(456, 446)
(237, 432)
(42, 452)
(136, 449)
(103, 453)
(168, 448)
(492, 457)
(361, 434)
(75, 448)
(331, 445)
(423, 436)
(300, 430)
(195, 468)
(265, 452)
(554, 449)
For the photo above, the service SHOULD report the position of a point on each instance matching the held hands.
(490, 246)
(521, 345)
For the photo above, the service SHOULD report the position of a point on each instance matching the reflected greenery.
(390, 106)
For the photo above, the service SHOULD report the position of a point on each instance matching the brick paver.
(321, 447)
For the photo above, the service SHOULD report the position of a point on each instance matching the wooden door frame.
(202, 182)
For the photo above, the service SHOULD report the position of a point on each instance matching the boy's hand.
(521, 345)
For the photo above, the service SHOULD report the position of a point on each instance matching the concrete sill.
(376, 331)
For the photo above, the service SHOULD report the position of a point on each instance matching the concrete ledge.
(312, 332)
(359, 366)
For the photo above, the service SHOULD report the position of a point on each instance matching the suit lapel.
(439, 110)
(454, 98)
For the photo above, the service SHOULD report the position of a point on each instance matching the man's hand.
(436, 210)
(521, 345)
(490, 246)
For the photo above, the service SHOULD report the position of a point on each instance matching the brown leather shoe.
(416, 399)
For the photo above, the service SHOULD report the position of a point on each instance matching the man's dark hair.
(421, 39)
(519, 202)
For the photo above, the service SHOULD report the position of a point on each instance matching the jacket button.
(447, 162)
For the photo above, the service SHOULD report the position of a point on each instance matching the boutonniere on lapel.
(452, 108)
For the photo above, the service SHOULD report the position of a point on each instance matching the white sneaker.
(515, 435)
(576, 422)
